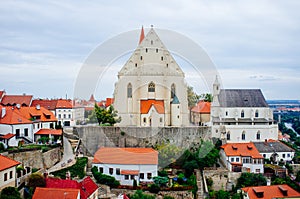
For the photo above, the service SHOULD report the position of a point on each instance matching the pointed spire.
(142, 36)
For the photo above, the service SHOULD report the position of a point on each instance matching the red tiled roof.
(7, 136)
(13, 116)
(202, 107)
(273, 191)
(87, 186)
(109, 101)
(11, 100)
(6, 163)
(64, 103)
(126, 156)
(47, 104)
(92, 99)
(29, 112)
(130, 172)
(55, 193)
(147, 104)
(49, 132)
(241, 149)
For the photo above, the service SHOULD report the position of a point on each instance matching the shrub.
(2, 148)
(140, 195)
(10, 193)
(154, 188)
(168, 197)
(76, 170)
(104, 179)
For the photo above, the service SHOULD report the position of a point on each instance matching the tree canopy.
(106, 116)
(10, 193)
(192, 96)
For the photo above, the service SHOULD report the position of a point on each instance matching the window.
(5, 177)
(237, 159)
(178, 116)
(135, 64)
(151, 87)
(257, 170)
(258, 135)
(129, 90)
(231, 159)
(264, 155)
(142, 176)
(59, 116)
(242, 114)
(146, 50)
(149, 176)
(132, 177)
(173, 92)
(162, 58)
(69, 116)
(118, 171)
(64, 115)
(17, 133)
(228, 135)
(151, 42)
(126, 177)
(167, 65)
(156, 50)
(243, 135)
(288, 155)
(256, 113)
(111, 171)
(144, 120)
(226, 113)
(141, 57)
(283, 155)
(160, 120)
(10, 175)
(26, 131)
(101, 169)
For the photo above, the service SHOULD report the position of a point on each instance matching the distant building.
(152, 78)
(275, 151)
(200, 114)
(55, 193)
(238, 157)
(241, 115)
(7, 172)
(270, 192)
(127, 164)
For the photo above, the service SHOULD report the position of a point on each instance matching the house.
(270, 192)
(275, 150)
(127, 164)
(14, 100)
(151, 73)
(200, 114)
(241, 115)
(7, 172)
(49, 135)
(239, 157)
(88, 188)
(55, 193)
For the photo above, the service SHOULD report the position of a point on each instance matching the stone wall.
(160, 195)
(222, 178)
(94, 137)
(37, 159)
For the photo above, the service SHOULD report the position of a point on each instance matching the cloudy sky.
(253, 43)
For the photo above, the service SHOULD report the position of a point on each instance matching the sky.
(252, 43)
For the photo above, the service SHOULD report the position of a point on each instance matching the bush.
(76, 170)
(10, 193)
(251, 179)
(104, 179)
(168, 197)
(161, 181)
(140, 195)
(2, 148)
(154, 188)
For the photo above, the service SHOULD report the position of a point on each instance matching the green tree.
(251, 179)
(207, 97)
(140, 195)
(10, 193)
(161, 181)
(193, 98)
(36, 180)
(222, 195)
(106, 117)
(167, 153)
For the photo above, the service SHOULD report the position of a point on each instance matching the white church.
(151, 90)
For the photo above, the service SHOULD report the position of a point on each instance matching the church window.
(178, 107)
(258, 135)
(141, 57)
(144, 120)
(242, 114)
(156, 50)
(178, 116)
(228, 135)
(226, 113)
(243, 135)
(129, 90)
(146, 50)
(167, 65)
(151, 42)
(151, 87)
(162, 58)
(135, 64)
(256, 113)
(173, 92)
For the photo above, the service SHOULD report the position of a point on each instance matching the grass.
(78, 169)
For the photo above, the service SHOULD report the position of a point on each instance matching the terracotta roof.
(241, 149)
(109, 101)
(64, 103)
(55, 193)
(269, 192)
(87, 186)
(147, 104)
(47, 104)
(13, 116)
(7, 136)
(12, 100)
(6, 162)
(142, 35)
(130, 172)
(126, 156)
(49, 132)
(202, 107)
(30, 112)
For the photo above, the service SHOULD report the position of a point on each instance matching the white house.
(127, 164)
(7, 172)
(151, 75)
(239, 157)
(275, 150)
(241, 115)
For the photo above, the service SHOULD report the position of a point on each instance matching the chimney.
(283, 190)
(3, 112)
(38, 107)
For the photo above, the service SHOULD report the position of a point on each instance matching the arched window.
(243, 135)
(173, 90)
(146, 50)
(242, 114)
(151, 87)
(228, 135)
(129, 90)
(258, 135)
(256, 113)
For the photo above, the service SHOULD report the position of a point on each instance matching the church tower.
(147, 85)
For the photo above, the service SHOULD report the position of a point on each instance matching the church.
(151, 90)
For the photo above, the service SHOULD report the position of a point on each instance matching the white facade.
(141, 173)
(150, 73)
(65, 116)
(20, 130)
(285, 156)
(8, 178)
(152, 118)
